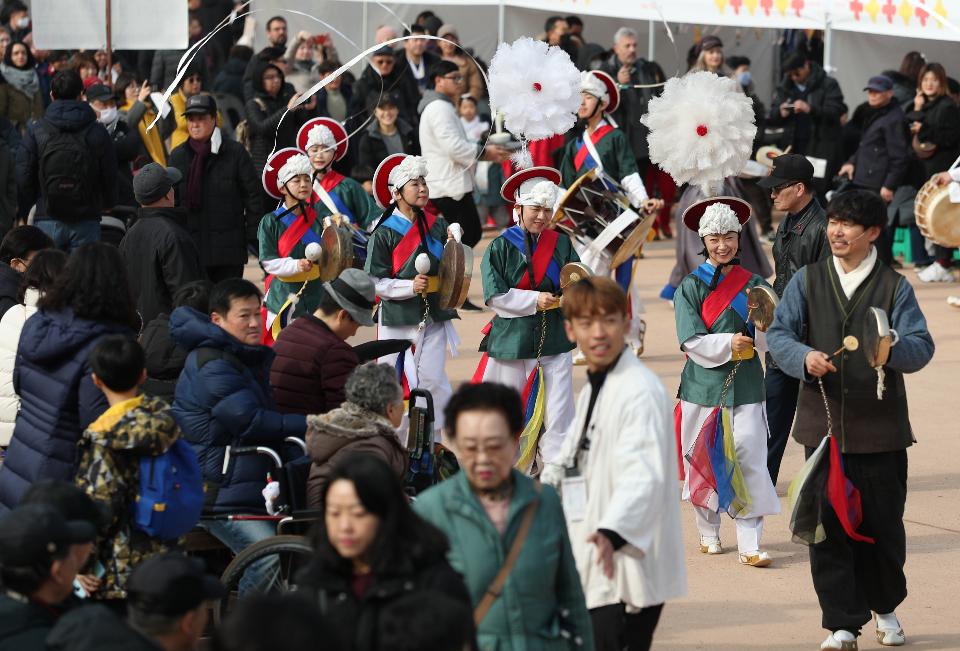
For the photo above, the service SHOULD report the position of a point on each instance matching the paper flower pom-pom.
(536, 87)
(701, 129)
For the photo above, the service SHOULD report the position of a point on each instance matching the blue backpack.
(170, 498)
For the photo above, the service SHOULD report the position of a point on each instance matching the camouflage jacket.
(109, 472)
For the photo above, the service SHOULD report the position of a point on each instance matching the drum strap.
(325, 193)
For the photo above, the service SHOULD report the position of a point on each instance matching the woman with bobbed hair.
(371, 551)
(58, 400)
(364, 424)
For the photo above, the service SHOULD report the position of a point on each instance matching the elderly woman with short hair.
(366, 424)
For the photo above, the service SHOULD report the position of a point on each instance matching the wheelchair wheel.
(288, 553)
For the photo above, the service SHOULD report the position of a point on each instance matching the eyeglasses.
(457, 78)
(780, 188)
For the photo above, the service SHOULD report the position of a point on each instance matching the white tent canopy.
(855, 55)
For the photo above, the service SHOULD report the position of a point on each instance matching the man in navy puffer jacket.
(223, 400)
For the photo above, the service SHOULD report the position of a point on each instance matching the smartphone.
(98, 570)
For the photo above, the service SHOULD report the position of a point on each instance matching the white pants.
(599, 264)
(431, 358)
(749, 530)
(558, 383)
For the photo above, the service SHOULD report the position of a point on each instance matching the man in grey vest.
(824, 302)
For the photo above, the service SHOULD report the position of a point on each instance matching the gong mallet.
(850, 344)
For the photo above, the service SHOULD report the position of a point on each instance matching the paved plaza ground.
(731, 607)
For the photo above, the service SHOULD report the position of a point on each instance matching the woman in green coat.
(482, 510)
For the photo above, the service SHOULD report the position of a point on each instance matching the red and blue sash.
(544, 266)
(410, 240)
(728, 293)
(542, 256)
(329, 182)
(583, 161)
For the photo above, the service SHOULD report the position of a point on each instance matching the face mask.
(23, 23)
(744, 78)
(108, 115)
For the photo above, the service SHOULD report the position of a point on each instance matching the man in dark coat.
(808, 104)
(40, 554)
(220, 190)
(383, 71)
(628, 68)
(223, 401)
(801, 239)
(98, 171)
(313, 359)
(881, 160)
(159, 253)
(169, 599)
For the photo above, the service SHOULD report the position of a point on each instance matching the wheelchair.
(291, 549)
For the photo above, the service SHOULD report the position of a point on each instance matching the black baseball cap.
(879, 83)
(98, 92)
(153, 182)
(33, 533)
(788, 168)
(201, 103)
(68, 498)
(171, 584)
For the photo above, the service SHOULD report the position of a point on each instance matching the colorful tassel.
(534, 399)
(844, 496)
(716, 480)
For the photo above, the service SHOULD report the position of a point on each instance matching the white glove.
(636, 193)
(271, 493)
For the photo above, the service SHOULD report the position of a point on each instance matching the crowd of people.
(130, 341)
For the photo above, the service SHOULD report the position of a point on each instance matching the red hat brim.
(509, 188)
(381, 179)
(613, 90)
(692, 215)
(339, 134)
(272, 170)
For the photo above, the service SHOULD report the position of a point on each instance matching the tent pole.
(109, 25)
(500, 22)
(827, 45)
(363, 34)
(651, 40)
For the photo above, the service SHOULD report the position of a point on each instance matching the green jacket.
(703, 386)
(615, 154)
(543, 581)
(502, 268)
(268, 234)
(362, 206)
(379, 264)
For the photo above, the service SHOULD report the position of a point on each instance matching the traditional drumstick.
(850, 343)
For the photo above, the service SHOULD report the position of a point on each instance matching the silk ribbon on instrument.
(822, 484)
(716, 480)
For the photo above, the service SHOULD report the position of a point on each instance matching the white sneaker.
(889, 631)
(844, 640)
(936, 273)
(953, 301)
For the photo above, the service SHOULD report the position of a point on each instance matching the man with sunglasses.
(801, 239)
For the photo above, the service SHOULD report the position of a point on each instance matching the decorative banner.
(789, 14)
(936, 19)
(781, 14)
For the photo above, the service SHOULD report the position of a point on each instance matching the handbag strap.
(496, 586)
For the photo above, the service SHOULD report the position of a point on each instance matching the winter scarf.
(201, 151)
(26, 81)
